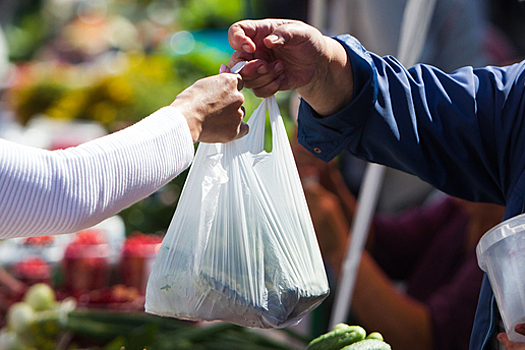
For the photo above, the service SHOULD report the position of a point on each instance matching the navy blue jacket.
(464, 133)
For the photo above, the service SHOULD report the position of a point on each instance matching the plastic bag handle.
(255, 138)
(279, 134)
(257, 122)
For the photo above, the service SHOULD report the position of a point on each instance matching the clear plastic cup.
(501, 254)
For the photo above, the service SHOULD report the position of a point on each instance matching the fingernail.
(279, 67)
(262, 69)
(520, 328)
(247, 48)
(224, 68)
(243, 130)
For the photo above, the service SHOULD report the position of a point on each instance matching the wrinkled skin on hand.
(292, 55)
(282, 54)
(213, 108)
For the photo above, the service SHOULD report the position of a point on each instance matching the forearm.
(453, 115)
(404, 322)
(332, 179)
(49, 192)
(332, 87)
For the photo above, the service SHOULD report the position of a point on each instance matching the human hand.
(282, 54)
(213, 108)
(11, 290)
(331, 227)
(509, 345)
(11, 285)
(286, 55)
(504, 340)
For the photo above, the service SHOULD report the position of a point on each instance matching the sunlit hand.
(213, 108)
(283, 54)
(287, 55)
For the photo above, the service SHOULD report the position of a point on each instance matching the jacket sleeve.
(49, 192)
(461, 132)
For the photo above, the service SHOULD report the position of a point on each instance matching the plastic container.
(501, 254)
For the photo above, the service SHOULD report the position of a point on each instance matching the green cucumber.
(338, 338)
(375, 335)
(368, 344)
(340, 326)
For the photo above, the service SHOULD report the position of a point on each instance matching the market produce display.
(86, 262)
(40, 322)
(345, 337)
(32, 270)
(138, 254)
(33, 323)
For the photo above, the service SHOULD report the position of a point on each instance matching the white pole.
(317, 13)
(367, 201)
(416, 22)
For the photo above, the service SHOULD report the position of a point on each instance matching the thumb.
(224, 69)
(243, 130)
(504, 340)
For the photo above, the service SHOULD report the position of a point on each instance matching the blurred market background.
(91, 67)
(73, 70)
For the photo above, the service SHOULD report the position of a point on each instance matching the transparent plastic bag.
(241, 247)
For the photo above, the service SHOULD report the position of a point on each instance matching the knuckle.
(230, 79)
(240, 97)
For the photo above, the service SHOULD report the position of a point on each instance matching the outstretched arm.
(50, 192)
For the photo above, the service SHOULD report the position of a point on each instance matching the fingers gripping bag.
(241, 246)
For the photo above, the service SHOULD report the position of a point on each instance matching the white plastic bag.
(241, 246)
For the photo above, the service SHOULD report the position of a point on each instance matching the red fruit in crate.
(138, 254)
(140, 244)
(86, 262)
(33, 270)
(39, 241)
(89, 236)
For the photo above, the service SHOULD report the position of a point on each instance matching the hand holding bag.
(241, 246)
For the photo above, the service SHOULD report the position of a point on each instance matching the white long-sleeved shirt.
(50, 192)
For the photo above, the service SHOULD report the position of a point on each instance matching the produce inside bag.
(241, 246)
